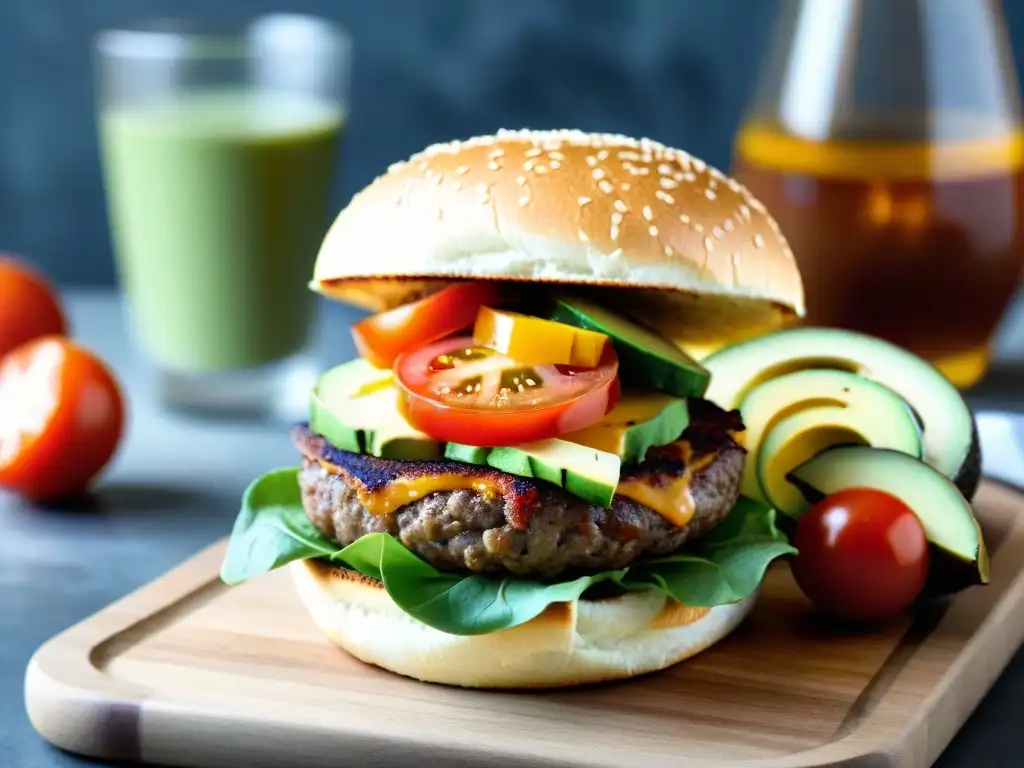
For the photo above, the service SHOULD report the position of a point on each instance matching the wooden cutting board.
(188, 672)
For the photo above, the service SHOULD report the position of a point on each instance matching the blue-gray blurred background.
(425, 70)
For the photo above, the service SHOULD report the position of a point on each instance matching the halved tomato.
(384, 336)
(458, 392)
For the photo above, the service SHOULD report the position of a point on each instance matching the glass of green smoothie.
(219, 146)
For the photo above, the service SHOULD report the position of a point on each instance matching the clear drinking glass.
(218, 146)
(886, 138)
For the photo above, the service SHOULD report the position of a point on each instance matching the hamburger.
(518, 482)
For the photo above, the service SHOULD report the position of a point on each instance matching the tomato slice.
(61, 418)
(381, 338)
(458, 392)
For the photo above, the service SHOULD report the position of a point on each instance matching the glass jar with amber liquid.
(885, 137)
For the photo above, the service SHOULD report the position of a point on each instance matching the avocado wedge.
(790, 418)
(951, 443)
(646, 360)
(355, 407)
(960, 558)
(639, 421)
(590, 474)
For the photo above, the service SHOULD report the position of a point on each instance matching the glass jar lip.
(219, 37)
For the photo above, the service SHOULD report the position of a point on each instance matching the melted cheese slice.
(404, 491)
(673, 500)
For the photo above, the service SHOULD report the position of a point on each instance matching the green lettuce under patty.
(272, 529)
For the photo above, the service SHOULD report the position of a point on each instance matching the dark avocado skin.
(969, 476)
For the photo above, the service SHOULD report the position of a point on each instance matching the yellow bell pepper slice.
(535, 341)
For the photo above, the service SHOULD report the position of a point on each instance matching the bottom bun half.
(587, 641)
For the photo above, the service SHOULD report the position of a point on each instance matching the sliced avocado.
(796, 438)
(950, 437)
(638, 422)
(467, 454)
(961, 558)
(645, 359)
(366, 423)
(790, 418)
(585, 472)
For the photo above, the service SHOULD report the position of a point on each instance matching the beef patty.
(530, 527)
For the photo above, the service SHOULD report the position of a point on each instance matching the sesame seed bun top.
(566, 207)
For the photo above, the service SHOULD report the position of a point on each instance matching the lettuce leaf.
(272, 529)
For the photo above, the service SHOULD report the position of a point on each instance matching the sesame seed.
(582, 235)
(536, 151)
(689, 176)
(524, 200)
(462, 170)
(616, 218)
(625, 186)
(698, 165)
(710, 194)
(496, 153)
(698, 227)
(709, 244)
(648, 213)
(602, 155)
(520, 181)
(665, 197)
(744, 212)
(556, 155)
(668, 183)
(718, 233)
(614, 232)
(712, 184)
(668, 250)
(665, 169)
(653, 230)
(628, 155)
(493, 165)
(735, 268)
(621, 206)
(606, 186)
(555, 164)
(482, 187)
(684, 218)
(729, 226)
(591, 161)
(528, 165)
(759, 240)
(541, 169)
(598, 174)
(583, 200)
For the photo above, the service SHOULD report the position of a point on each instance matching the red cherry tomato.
(381, 338)
(29, 306)
(61, 418)
(455, 391)
(863, 555)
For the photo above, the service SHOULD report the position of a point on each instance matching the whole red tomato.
(62, 416)
(863, 555)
